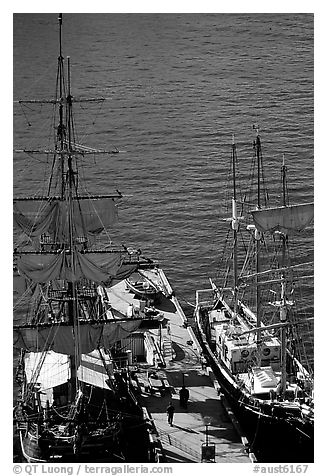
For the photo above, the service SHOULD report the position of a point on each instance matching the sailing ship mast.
(257, 237)
(60, 80)
(283, 303)
(74, 359)
(235, 226)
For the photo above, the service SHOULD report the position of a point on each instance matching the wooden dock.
(183, 441)
(206, 420)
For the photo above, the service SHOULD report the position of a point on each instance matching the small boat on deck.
(142, 286)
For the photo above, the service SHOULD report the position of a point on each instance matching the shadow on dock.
(178, 351)
(164, 304)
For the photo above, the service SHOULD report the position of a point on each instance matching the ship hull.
(110, 428)
(130, 444)
(42, 450)
(275, 434)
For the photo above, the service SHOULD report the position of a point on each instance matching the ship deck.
(183, 441)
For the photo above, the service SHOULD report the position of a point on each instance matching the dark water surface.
(178, 86)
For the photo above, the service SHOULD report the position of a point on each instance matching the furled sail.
(105, 268)
(61, 339)
(35, 217)
(94, 216)
(287, 220)
(41, 268)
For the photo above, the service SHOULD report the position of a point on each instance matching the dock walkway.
(181, 352)
(182, 442)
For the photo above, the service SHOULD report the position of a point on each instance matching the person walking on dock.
(183, 396)
(170, 413)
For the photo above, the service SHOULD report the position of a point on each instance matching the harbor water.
(178, 86)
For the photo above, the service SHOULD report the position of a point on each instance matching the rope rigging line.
(305, 325)
(182, 298)
(42, 124)
(24, 114)
(17, 304)
(84, 134)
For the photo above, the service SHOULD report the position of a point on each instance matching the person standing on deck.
(183, 396)
(170, 413)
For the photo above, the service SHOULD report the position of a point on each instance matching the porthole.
(245, 353)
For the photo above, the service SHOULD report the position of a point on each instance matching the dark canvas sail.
(62, 339)
(99, 267)
(35, 217)
(284, 219)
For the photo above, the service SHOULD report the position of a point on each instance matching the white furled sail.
(288, 220)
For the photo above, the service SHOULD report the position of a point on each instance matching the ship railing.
(49, 240)
(168, 439)
(22, 425)
(87, 292)
(204, 298)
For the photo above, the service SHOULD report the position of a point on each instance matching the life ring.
(245, 353)
(266, 351)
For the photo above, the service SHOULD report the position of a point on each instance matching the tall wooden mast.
(257, 149)
(283, 302)
(235, 228)
(61, 129)
(71, 174)
(68, 191)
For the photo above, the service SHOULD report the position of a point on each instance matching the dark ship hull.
(95, 449)
(39, 449)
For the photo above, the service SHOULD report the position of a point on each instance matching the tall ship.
(249, 322)
(78, 327)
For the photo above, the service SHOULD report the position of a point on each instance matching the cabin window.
(239, 367)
